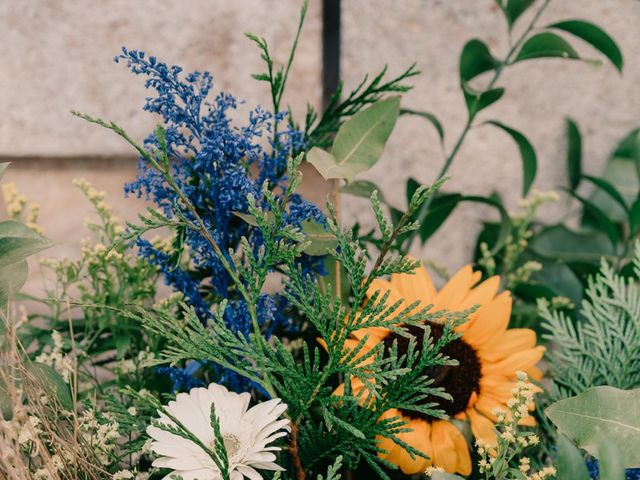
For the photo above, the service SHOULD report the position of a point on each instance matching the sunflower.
(489, 356)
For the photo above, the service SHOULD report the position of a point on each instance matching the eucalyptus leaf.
(595, 36)
(359, 142)
(546, 44)
(574, 153)
(611, 464)
(17, 241)
(570, 462)
(322, 241)
(601, 415)
(445, 476)
(52, 382)
(3, 168)
(12, 278)
(527, 153)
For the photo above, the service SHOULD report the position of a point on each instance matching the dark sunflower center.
(459, 381)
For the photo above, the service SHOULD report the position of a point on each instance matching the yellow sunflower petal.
(489, 321)
(482, 428)
(518, 361)
(418, 438)
(512, 341)
(382, 287)
(356, 388)
(375, 334)
(497, 387)
(415, 286)
(386, 444)
(444, 451)
(487, 406)
(482, 293)
(455, 290)
(462, 452)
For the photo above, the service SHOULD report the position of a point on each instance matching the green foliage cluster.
(324, 424)
(603, 348)
(86, 299)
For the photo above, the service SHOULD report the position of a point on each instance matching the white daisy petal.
(249, 472)
(247, 433)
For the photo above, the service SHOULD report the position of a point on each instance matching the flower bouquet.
(295, 344)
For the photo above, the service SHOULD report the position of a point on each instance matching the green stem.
(469, 123)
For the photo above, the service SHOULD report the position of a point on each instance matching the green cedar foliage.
(323, 424)
(603, 348)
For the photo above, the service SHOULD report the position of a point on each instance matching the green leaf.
(598, 219)
(634, 217)
(514, 9)
(322, 242)
(441, 207)
(359, 142)
(250, 219)
(445, 476)
(574, 154)
(52, 382)
(609, 189)
(12, 278)
(475, 59)
(546, 44)
(527, 153)
(595, 36)
(17, 242)
(362, 188)
(429, 117)
(599, 415)
(559, 243)
(570, 462)
(477, 101)
(3, 168)
(505, 220)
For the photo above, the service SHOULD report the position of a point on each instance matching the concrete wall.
(539, 95)
(57, 55)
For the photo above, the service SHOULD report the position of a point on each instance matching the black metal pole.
(330, 48)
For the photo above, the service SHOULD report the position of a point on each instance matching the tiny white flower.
(246, 433)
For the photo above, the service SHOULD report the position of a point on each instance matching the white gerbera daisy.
(246, 434)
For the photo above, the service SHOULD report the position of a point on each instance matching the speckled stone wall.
(539, 95)
(57, 56)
